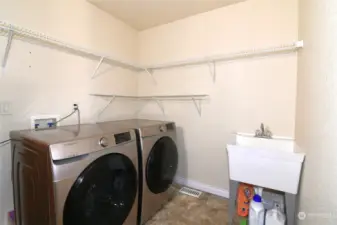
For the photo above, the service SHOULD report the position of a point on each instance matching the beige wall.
(246, 92)
(39, 80)
(316, 119)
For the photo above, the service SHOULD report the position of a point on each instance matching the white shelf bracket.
(106, 106)
(97, 68)
(212, 70)
(8, 47)
(299, 44)
(150, 72)
(161, 106)
(197, 104)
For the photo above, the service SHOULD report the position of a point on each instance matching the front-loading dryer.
(75, 175)
(159, 162)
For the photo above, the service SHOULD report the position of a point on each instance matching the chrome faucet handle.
(257, 133)
(263, 132)
(262, 128)
(268, 133)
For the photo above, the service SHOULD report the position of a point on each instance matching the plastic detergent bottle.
(275, 217)
(256, 211)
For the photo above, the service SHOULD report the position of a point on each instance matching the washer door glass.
(103, 194)
(161, 165)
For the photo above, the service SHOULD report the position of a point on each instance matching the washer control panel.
(103, 142)
(162, 128)
(122, 137)
(77, 148)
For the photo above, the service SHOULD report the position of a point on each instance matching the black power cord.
(5, 142)
(76, 110)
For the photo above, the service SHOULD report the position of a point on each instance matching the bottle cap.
(257, 198)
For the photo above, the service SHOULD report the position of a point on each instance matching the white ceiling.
(143, 14)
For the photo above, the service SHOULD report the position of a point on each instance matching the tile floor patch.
(187, 210)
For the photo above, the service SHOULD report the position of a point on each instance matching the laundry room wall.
(246, 92)
(316, 120)
(41, 80)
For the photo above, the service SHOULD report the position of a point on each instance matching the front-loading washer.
(158, 155)
(75, 175)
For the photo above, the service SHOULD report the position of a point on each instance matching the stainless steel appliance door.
(161, 165)
(104, 193)
(160, 162)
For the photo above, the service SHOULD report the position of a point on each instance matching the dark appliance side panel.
(32, 183)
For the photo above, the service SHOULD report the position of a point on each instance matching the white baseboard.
(202, 187)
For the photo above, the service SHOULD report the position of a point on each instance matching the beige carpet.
(187, 210)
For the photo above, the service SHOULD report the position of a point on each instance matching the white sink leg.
(291, 201)
(232, 200)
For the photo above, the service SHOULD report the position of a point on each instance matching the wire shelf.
(231, 56)
(197, 99)
(155, 97)
(23, 33)
(15, 31)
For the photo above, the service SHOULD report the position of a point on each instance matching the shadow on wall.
(182, 172)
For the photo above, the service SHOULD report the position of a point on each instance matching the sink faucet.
(263, 132)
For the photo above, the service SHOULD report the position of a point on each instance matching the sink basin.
(269, 163)
(276, 143)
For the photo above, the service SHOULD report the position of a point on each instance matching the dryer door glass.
(103, 194)
(161, 165)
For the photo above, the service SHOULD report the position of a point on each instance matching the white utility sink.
(270, 163)
(276, 143)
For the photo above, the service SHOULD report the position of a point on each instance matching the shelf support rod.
(106, 106)
(212, 70)
(160, 104)
(8, 47)
(97, 68)
(150, 72)
(197, 104)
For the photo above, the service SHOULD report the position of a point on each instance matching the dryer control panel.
(170, 126)
(161, 127)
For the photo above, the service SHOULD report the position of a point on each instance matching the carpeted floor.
(187, 210)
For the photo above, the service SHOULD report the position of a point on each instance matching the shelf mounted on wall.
(97, 68)
(211, 61)
(231, 56)
(197, 100)
(212, 70)
(106, 106)
(16, 31)
(8, 46)
(150, 73)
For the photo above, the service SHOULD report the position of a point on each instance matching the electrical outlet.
(44, 122)
(5, 108)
